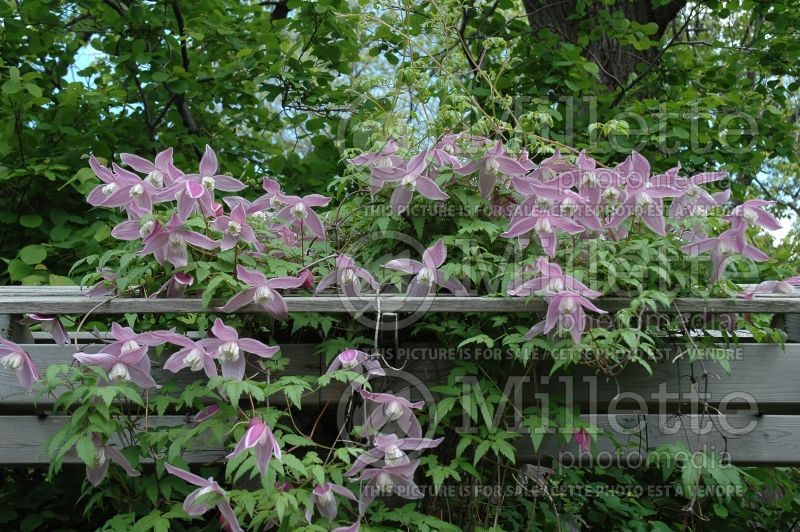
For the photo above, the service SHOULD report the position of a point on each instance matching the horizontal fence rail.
(760, 391)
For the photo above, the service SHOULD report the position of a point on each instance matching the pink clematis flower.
(644, 195)
(194, 190)
(262, 292)
(410, 179)
(126, 339)
(752, 212)
(358, 362)
(493, 164)
(378, 161)
(175, 286)
(169, 244)
(107, 286)
(51, 324)
(583, 440)
(723, 248)
(298, 212)
(323, 497)
(97, 472)
(161, 172)
(348, 277)
(13, 358)
(134, 229)
(210, 493)
(390, 449)
(772, 287)
(565, 313)
(192, 355)
(260, 437)
(444, 152)
(117, 188)
(551, 167)
(133, 365)
(427, 273)
(205, 413)
(230, 349)
(387, 481)
(592, 182)
(392, 409)
(694, 199)
(551, 280)
(544, 224)
(307, 277)
(234, 229)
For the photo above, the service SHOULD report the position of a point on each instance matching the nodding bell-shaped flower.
(427, 274)
(262, 292)
(753, 212)
(391, 450)
(348, 277)
(192, 355)
(323, 497)
(234, 228)
(14, 359)
(358, 362)
(298, 212)
(785, 287)
(96, 472)
(492, 165)
(51, 324)
(724, 248)
(387, 480)
(259, 437)
(207, 494)
(392, 409)
(550, 279)
(129, 365)
(565, 313)
(230, 348)
(381, 163)
(411, 179)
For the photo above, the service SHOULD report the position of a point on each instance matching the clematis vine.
(192, 355)
(427, 274)
(493, 164)
(410, 179)
(565, 314)
(129, 365)
(170, 244)
(392, 409)
(723, 249)
(230, 349)
(391, 449)
(207, 494)
(262, 292)
(387, 480)
(234, 229)
(348, 277)
(298, 212)
(785, 287)
(377, 162)
(323, 497)
(160, 172)
(98, 471)
(358, 362)
(643, 194)
(753, 212)
(259, 437)
(14, 358)
(50, 324)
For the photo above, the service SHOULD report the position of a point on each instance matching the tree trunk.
(616, 61)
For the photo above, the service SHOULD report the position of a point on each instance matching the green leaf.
(33, 254)
(31, 221)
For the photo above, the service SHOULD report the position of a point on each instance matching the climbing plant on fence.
(461, 216)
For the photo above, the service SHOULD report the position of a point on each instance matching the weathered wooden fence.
(751, 413)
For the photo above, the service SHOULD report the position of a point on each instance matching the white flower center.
(408, 183)
(750, 216)
(555, 285)
(146, 228)
(394, 456)
(492, 166)
(100, 456)
(384, 483)
(348, 277)
(109, 188)
(725, 248)
(569, 206)
(194, 360)
(234, 228)
(384, 161)
(208, 183)
(274, 202)
(119, 372)
(394, 411)
(644, 199)
(611, 193)
(130, 345)
(175, 241)
(136, 191)
(567, 305)
(12, 362)
(348, 362)
(299, 211)
(326, 499)
(692, 191)
(264, 294)
(543, 227)
(426, 277)
(589, 179)
(155, 178)
(259, 215)
(229, 351)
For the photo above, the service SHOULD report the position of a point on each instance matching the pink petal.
(208, 164)
(224, 332)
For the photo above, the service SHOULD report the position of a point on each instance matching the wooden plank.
(751, 440)
(23, 439)
(388, 303)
